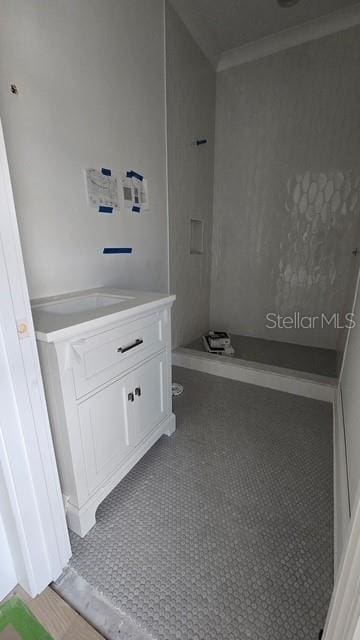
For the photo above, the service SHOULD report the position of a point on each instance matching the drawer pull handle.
(130, 346)
(138, 391)
(131, 397)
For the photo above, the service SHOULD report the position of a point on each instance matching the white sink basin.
(78, 304)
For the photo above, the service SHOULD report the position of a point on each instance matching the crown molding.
(311, 30)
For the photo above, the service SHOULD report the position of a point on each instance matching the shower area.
(264, 215)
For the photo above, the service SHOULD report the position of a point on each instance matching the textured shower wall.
(190, 89)
(322, 217)
(286, 200)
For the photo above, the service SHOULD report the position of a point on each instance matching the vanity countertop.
(63, 316)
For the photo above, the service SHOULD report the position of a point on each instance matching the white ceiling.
(220, 25)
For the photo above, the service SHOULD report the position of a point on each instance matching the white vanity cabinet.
(107, 376)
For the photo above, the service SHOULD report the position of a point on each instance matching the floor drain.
(177, 389)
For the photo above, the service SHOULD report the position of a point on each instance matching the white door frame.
(34, 516)
(8, 578)
(343, 620)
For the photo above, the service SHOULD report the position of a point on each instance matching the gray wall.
(91, 85)
(287, 174)
(190, 95)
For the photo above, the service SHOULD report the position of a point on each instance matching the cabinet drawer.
(100, 358)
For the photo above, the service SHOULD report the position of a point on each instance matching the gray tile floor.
(224, 530)
(281, 354)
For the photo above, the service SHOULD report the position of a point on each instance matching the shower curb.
(299, 383)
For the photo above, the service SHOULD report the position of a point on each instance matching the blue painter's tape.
(135, 209)
(106, 172)
(133, 174)
(117, 250)
(103, 209)
(138, 176)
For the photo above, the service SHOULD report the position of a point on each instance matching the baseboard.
(278, 378)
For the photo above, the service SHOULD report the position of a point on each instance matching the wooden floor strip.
(58, 618)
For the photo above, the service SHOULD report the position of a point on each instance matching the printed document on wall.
(102, 189)
(135, 191)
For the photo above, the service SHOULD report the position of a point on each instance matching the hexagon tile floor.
(224, 530)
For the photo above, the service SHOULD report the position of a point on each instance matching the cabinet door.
(104, 429)
(149, 393)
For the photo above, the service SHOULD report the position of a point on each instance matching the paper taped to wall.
(127, 188)
(102, 190)
(135, 191)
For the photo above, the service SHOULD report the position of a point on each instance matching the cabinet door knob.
(131, 397)
(138, 391)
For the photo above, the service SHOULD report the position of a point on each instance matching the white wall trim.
(341, 491)
(344, 611)
(311, 30)
(8, 578)
(166, 153)
(278, 378)
(39, 533)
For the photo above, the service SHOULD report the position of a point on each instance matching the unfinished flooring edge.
(94, 607)
(299, 383)
(57, 616)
